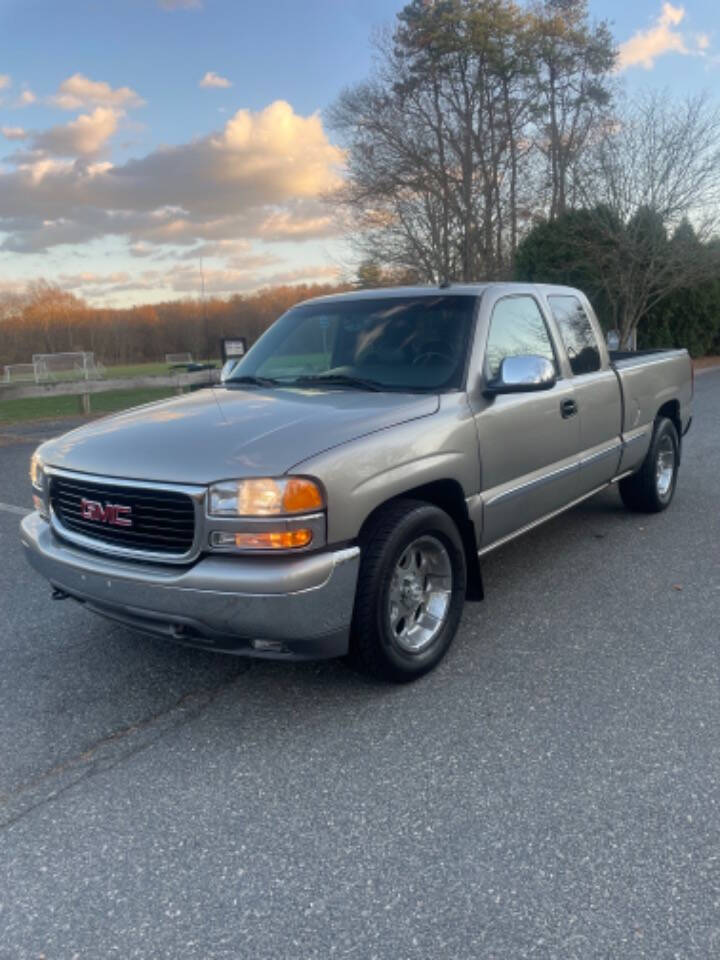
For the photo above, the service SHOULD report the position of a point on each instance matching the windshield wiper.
(338, 380)
(253, 381)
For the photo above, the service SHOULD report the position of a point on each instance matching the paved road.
(551, 791)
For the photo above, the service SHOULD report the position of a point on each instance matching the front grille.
(163, 521)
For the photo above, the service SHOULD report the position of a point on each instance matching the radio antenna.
(205, 320)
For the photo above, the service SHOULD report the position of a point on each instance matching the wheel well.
(671, 410)
(448, 496)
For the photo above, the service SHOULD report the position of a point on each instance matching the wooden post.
(85, 403)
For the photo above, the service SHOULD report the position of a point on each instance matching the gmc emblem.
(112, 513)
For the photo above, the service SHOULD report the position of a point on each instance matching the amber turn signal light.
(281, 540)
(301, 496)
(261, 539)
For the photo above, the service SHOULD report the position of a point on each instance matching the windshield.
(399, 343)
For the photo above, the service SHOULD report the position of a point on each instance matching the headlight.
(39, 486)
(265, 497)
(37, 474)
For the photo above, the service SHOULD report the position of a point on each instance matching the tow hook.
(58, 594)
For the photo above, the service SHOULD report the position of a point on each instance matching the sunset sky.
(138, 136)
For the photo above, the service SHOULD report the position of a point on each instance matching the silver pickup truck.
(335, 495)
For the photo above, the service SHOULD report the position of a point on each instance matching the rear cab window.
(577, 333)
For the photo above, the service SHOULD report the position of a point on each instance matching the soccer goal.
(173, 358)
(65, 366)
(19, 372)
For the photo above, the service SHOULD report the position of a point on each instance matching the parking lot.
(551, 791)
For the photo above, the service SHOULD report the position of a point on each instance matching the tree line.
(47, 319)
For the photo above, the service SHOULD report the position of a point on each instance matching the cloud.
(645, 46)
(291, 224)
(79, 91)
(5, 81)
(26, 98)
(82, 137)
(75, 281)
(231, 247)
(306, 274)
(212, 79)
(141, 249)
(14, 133)
(263, 175)
(183, 278)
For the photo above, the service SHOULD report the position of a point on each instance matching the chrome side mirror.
(522, 374)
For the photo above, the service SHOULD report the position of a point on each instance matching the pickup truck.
(337, 493)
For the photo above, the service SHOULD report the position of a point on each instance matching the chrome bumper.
(296, 607)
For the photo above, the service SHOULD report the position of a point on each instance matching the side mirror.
(521, 375)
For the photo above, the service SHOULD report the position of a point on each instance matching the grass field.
(48, 408)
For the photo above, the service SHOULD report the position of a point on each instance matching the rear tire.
(410, 592)
(652, 488)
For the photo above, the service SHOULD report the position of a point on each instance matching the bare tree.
(474, 122)
(572, 89)
(657, 165)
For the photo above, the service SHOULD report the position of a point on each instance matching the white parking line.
(20, 511)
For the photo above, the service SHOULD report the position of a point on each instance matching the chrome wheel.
(420, 594)
(664, 466)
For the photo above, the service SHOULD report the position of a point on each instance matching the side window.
(577, 334)
(517, 327)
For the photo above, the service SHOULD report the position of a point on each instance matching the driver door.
(529, 442)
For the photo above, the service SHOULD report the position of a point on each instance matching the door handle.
(568, 408)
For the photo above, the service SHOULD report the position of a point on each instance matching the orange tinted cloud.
(84, 136)
(212, 79)
(645, 46)
(79, 91)
(264, 174)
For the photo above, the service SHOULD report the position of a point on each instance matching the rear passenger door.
(597, 391)
(529, 442)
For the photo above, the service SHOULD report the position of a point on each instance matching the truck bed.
(649, 380)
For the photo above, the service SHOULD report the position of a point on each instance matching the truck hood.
(222, 433)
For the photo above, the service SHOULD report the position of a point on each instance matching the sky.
(141, 138)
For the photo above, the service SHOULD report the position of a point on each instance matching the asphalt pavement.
(550, 791)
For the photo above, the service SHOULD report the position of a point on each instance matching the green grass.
(48, 408)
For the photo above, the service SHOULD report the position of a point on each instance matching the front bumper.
(300, 606)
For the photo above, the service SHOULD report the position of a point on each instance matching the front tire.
(410, 593)
(652, 488)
